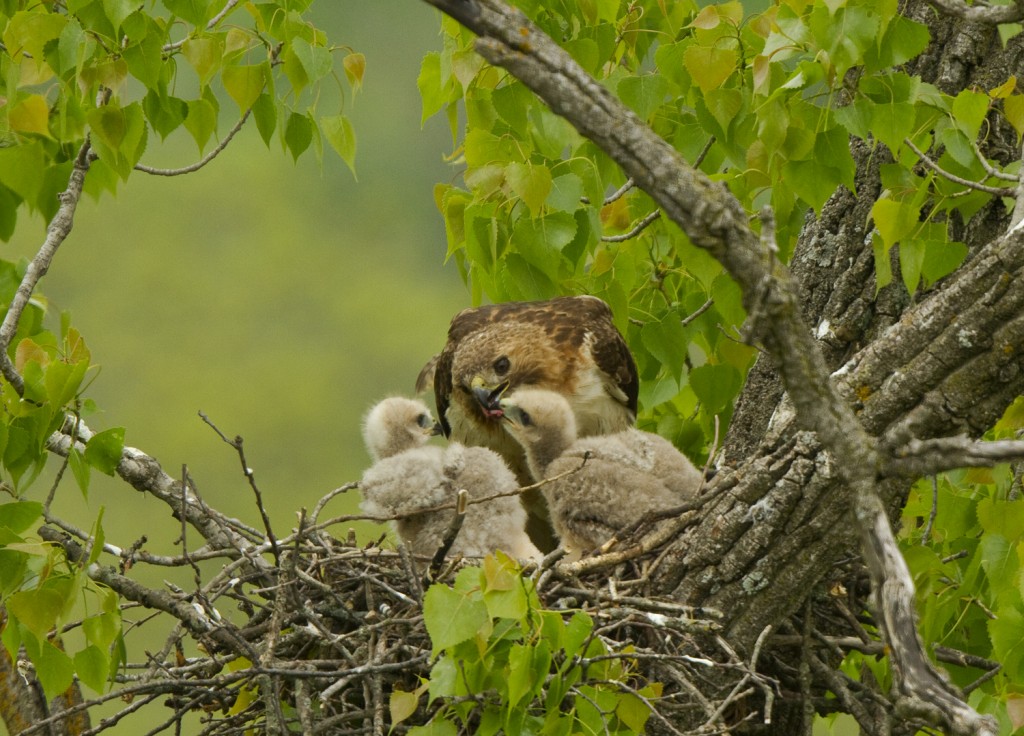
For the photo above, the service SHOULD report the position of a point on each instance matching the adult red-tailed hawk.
(592, 475)
(569, 345)
(409, 476)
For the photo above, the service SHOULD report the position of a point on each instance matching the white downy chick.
(410, 476)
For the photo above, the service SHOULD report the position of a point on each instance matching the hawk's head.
(499, 359)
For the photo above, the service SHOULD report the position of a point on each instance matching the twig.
(998, 191)
(992, 170)
(210, 25)
(237, 443)
(700, 310)
(933, 513)
(616, 195)
(449, 535)
(636, 230)
(205, 159)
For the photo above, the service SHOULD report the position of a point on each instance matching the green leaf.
(540, 241)
(92, 666)
(1007, 642)
(37, 610)
(428, 82)
(19, 516)
(195, 12)
(520, 673)
(724, 105)
(632, 712)
(298, 134)
(165, 113)
(531, 182)
(13, 566)
(102, 629)
(103, 450)
(340, 134)
(894, 219)
(54, 669)
(437, 727)
(667, 341)
(22, 169)
(80, 470)
(643, 94)
(941, 258)
(813, 181)
(566, 192)
(245, 83)
(969, 111)
(577, 632)
(452, 617)
(715, 386)
(911, 259)
(201, 121)
(265, 112)
(145, 60)
(315, 60)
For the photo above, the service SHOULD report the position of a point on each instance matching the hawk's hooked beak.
(489, 398)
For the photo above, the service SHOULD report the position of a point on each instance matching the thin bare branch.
(998, 191)
(205, 159)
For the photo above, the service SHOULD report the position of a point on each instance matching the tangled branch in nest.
(321, 642)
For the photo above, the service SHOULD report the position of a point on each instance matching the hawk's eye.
(424, 421)
(501, 365)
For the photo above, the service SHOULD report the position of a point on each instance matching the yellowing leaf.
(1013, 108)
(402, 704)
(355, 67)
(204, 54)
(31, 115)
(707, 19)
(1005, 89)
(29, 351)
(710, 66)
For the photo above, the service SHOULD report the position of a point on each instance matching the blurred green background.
(279, 299)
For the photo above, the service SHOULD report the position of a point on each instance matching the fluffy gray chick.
(625, 475)
(409, 476)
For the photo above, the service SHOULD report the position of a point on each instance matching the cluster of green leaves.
(38, 588)
(969, 572)
(505, 665)
(119, 71)
(766, 99)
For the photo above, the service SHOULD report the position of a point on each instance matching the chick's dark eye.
(424, 421)
(501, 365)
(525, 418)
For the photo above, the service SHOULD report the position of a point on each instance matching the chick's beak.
(488, 397)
